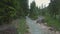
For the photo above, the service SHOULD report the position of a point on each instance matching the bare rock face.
(8, 29)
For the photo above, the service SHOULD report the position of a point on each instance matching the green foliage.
(54, 8)
(11, 9)
(53, 14)
(33, 11)
(7, 11)
(22, 9)
(52, 22)
(22, 26)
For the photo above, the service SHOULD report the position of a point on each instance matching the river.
(35, 28)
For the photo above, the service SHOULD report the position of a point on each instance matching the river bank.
(36, 28)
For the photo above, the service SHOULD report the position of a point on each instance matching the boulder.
(41, 19)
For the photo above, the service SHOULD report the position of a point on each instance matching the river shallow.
(35, 28)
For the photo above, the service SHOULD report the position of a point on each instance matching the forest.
(18, 9)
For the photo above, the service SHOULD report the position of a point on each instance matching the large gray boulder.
(41, 19)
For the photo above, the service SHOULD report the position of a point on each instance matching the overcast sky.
(40, 2)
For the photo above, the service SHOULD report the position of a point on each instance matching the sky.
(39, 3)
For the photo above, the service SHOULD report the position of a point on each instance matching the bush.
(52, 22)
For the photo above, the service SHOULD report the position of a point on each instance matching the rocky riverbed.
(36, 28)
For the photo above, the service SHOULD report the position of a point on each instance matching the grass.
(52, 22)
(22, 29)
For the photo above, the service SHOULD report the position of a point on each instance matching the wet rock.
(52, 29)
(41, 19)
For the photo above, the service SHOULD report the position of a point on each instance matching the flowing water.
(35, 28)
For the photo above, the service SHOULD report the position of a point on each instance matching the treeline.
(51, 13)
(34, 11)
(12, 9)
(53, 18)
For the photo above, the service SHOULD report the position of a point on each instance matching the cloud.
(40, 2)
(29, 2)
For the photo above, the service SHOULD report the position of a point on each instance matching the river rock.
(41, 19)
